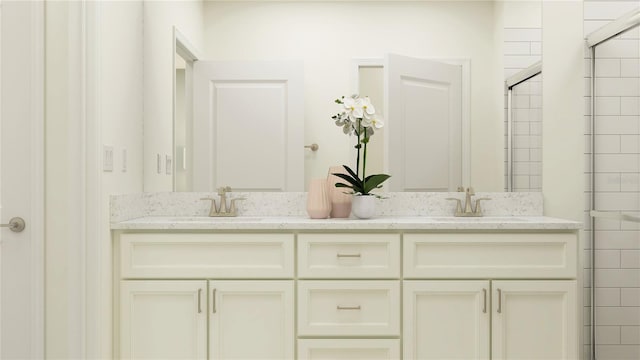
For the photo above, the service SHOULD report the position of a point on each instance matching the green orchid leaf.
(349, 179)
(373, 181)
(351, 172)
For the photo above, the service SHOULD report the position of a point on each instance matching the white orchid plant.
(358, 116)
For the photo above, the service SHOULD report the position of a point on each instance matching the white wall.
(328, 35)
(159, 19)
(118, 115)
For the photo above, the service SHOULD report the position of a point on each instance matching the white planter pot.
(363, 206)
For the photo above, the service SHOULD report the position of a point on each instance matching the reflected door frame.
(358, 63)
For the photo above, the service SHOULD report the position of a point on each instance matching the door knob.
(16, 224)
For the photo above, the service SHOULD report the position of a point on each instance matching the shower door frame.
(510, 83)
(623, 24)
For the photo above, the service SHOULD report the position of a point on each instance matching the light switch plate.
(168, 164)
(107, 158)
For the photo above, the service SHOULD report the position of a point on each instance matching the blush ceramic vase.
(340, 202)
(318, 203)
(363, 206)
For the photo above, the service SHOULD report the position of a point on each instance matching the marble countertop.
(378, 223)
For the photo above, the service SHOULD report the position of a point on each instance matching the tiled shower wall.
(522, 48)
(617, 185)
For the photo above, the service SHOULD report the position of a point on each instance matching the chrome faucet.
(219, 210)
(469, 209)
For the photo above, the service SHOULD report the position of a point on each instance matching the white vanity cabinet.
(204, 314)
(346, 294)
(520, 318)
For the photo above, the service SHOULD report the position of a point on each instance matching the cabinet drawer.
(490, 255)
(341, 256)
(348, 308)
(347, 349)
(187, 255)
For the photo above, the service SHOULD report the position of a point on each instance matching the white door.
(424, 124)
(22, 179)
(248, 130)
(251, 320)
(446, 319)
(163, 319)
(534, 320)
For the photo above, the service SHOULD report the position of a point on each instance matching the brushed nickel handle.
(348, 307)
(16, 224)
(499, 301)
(312, 147)
(348, 255)
(199, 301)
(484, 304)
(213, 303)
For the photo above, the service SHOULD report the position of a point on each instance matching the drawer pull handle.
(213, 301)
(348, 307)
(199, 301)
(499, 301)
(484, 304)
(348, 255)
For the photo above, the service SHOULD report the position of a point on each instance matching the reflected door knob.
(16, 224)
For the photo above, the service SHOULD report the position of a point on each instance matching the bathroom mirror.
(497, 39)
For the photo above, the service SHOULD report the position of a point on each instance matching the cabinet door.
(446, 319)
(163, 320)
(251, 320)
(534, 320)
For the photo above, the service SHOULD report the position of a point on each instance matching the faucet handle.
(214, 208)
(471, 191)
(460, 188)
(478, 209)
(458, 205)
(232, 207)
(224, 189)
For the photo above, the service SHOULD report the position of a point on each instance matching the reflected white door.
(424, 124)
(21, 179)
(248, 128)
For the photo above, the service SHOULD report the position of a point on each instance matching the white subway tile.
(607, 67)
(618, 48)
(617, 163)
(521, 168)
(607, 335)
(630, 297)
(535, 154)
(618, 316)
(521, 141)
(617, 87)
(607, 259)
(630, 182)
(620, 125)
(536, 48)
(521, 182)
(617, 201)
(520, 61)
(520, 101)
(607, 182)
(618, 352)
(630, 67)
(587, 105)
(535, 127)
(521, 154)
(536, 87)
(616, 239)
(630, 335)
(630, 105)
(607, 106)
(520, 128)
(535, 182)
(607, 144)
(629, 143)
(603, 225)
(536, 141)
(521, 114)
(535, 101)
(522, 34)
(607, 10)
(633, 34)
(618, 278)
(607, 297)
(630, 258)
(535, 169)
(587, 87)
(517, 48)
